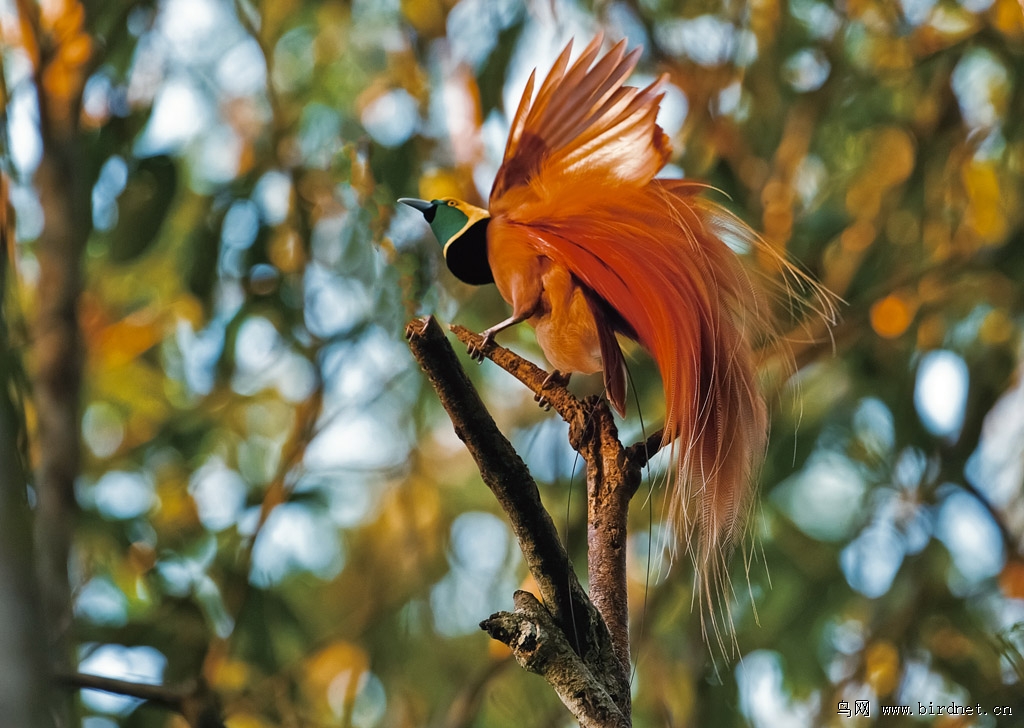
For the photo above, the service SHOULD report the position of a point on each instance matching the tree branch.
(613, 476)
(157, 694)
(23, 688)
(507, 476)
(195, 702)
(539, 646)
(611, 482)
(503, 471)
(57, 355)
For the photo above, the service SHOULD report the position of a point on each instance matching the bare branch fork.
(578, 643)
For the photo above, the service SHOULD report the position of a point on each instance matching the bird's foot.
(475, 351)
(556, 378)
(416, 328)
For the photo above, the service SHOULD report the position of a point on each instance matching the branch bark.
(609, 489)
(589, 667)
(23, 692)
(57, 376)
(507, 476)
(539, 646)
(57, 355)
(613, 477)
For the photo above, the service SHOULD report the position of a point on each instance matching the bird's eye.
(451, 203)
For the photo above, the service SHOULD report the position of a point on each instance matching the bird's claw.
(556, 378)
(476, 351)
(416, 328)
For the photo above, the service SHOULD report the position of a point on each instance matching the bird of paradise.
(586, 244)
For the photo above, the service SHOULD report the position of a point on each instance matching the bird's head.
(461, 229)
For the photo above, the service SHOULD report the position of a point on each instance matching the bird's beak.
(421, 205)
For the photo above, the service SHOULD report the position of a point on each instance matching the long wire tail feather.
(576, 200)
(658, 256)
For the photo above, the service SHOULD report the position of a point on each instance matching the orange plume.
(585, 244)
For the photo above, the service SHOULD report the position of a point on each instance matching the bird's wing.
(584, 119)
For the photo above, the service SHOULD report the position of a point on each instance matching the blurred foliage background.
(269, 496)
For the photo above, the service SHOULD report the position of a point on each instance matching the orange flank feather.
(586, 244)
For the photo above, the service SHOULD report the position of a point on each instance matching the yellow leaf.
(64, 75)
(426, 16)
(882, 665)
(275, 18)
(439, 183)
(229, 676)
(139, 387)
(125, 340)
(857, 237)
(891, 316)
(1008, 17)
(996, 328)
(892, 155)
(986, 213)
(285, 251)
(333, 676)
(177, 511)
(892, 54)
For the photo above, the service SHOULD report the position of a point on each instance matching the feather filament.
(576, 203)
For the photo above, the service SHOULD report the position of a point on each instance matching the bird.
(587, 244)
